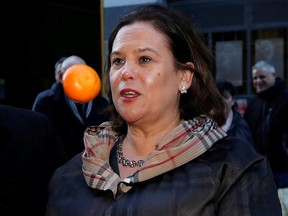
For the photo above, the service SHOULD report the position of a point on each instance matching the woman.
(164, 152)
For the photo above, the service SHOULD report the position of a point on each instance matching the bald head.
(264, 76)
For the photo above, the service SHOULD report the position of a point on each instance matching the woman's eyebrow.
(140, 50)
(149, 50)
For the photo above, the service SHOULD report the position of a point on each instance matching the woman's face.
(144, 82)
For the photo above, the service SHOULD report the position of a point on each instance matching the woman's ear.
(187, 76)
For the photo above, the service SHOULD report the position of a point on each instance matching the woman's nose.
(128, 72)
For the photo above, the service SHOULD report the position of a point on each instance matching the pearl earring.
(183, 90)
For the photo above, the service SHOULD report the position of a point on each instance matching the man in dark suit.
(51, 91)
(30, 150)
(69, 117)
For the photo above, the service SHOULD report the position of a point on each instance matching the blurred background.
(36, 34)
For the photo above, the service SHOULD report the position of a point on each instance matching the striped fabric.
(182, 144)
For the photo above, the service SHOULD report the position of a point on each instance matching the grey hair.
(70, 61)
(264, 65)
(59, 62)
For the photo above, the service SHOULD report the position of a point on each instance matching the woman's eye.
(145, 59)
(117, 61)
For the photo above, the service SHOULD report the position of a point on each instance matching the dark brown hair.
(186, 45)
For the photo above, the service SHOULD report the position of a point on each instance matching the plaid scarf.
(187, 141)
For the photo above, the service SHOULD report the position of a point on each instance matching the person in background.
(30, 150)
(69, 117)
(235, 125)
(51, 91)
(267, 117)
(164, 151)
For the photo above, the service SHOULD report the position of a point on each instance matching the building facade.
(240, 32)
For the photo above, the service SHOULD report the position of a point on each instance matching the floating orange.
(81, 83)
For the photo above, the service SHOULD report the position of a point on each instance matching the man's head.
(68, 62)
(228, 92)
(57, 70)
(263, 75)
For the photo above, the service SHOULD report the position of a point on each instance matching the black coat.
(239, 128)
(229, 179)
(30, 151)
(267, 116)
(53, 104)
